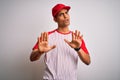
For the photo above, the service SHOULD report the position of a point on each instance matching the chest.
(58, 39)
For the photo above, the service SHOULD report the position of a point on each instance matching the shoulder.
(50, 32)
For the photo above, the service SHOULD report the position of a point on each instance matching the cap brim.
(66, 7)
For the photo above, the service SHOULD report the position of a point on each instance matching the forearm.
(35, 55)
(84, 57)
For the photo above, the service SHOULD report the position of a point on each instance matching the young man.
(61, 47)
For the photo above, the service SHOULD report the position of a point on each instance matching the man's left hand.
(76, 40)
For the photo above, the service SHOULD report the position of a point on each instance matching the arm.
(43, 47)
(35, 55)
(76, 43)
(84, 56)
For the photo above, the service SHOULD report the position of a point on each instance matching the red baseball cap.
(59, 7)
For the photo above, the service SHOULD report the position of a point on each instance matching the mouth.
(66, 20)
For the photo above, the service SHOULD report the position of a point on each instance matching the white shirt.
(61, 62)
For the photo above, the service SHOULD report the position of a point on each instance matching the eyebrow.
(63, 12)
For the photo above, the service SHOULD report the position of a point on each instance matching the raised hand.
(76, 40)
(43, 43)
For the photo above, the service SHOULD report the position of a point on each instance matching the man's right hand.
(43, 43)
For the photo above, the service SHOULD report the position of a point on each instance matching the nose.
(65, 15)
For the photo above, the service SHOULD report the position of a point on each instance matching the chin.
(67, 24)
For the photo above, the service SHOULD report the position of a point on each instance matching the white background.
(22, 21)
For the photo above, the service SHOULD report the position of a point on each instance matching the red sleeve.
(83, 47)
(35, 46)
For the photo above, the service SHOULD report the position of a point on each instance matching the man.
(61, 47)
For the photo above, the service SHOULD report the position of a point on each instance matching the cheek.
(61, 19)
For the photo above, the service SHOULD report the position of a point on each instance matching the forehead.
(62, 11)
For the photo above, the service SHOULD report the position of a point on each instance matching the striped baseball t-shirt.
(61, 62)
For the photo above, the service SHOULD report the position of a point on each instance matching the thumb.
(68, 42)
(52, 47)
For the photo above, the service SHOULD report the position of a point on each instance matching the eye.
(66, 12)
(60, 14)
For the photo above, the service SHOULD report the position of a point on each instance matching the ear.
(55, 19)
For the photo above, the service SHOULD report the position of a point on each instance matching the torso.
(61, 62)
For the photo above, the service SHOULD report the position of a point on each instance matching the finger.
(81, 37)
(68, 42)
(52, 47)
(47, 37)
(73, 36)
(38, 40)
(41, 37)
(78, 34)
(44, 36)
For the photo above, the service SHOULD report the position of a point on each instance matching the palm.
(43, 43)
(76, 40)
(75, 43)
(43, 46)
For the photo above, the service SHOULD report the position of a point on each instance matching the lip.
(66, 20)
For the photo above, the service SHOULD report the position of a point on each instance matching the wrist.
(40, 52)
(77, 49)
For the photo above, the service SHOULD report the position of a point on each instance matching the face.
(62, 18)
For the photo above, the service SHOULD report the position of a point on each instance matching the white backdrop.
(22, 21)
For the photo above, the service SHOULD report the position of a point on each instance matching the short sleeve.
(35, 46)
(83, 47)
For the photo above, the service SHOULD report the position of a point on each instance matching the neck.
(63, 29)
